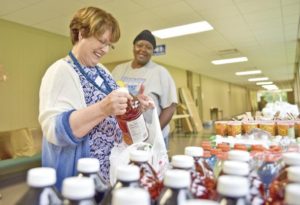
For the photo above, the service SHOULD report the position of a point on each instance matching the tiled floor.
(177, 143)
(11, 194)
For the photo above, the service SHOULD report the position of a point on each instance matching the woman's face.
(142, 51)
(92, 49)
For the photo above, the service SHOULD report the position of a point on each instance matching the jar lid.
(88, 165)
(130, 195)
(221, 122)
(128, 173)
(236, 168)
(139, 156)
(291, 158)
(41, 177)
(266, 123)
(77, 188)
(292, 194)
(226, 185)
(193, 151)
(234, 123)
(285, 122)
(182, 161)
(177, 179)
(250, 122)
(239, 155)
(294, 174)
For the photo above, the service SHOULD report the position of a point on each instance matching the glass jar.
(285, 128)
(268, 126)
(247, 126)
(234, 128)
(221, 128)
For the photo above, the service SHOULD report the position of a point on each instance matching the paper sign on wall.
(159, 50)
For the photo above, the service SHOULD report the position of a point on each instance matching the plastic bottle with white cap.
(148, 176)
(236, 168)
(200, 164)
(90, 167)
(127, 176)
(239, 155)
(289, 159)
(242, 169)
(176, 188)
(41, 183)
(187, 163)
(183, 162)
(203, 180)
(233, 190)
(130, 196)
(132, 123)
(277, 188)
(78, 191)
(292, 194)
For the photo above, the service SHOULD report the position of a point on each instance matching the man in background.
(157, 81)
(262, 103)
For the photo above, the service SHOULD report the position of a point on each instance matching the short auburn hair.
(93, 21)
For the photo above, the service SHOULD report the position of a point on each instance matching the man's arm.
(166, 115)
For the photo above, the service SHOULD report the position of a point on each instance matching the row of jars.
(234, 128)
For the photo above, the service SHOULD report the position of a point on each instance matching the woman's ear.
(79, 36)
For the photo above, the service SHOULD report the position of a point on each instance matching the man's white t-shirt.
(157, 81)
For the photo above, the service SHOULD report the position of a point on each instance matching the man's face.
(142, 51)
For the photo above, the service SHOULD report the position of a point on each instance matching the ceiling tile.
(252, 6)
(181, 14)
(287, 2)
(146, 4)
(10, 6)
(200, 5)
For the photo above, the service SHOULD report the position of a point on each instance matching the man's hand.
(146, 101)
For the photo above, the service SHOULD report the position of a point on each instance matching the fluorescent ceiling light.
(183, 30)
(287, 90)
(249, 72)
(229, 60)
(257, 79)
(270, 87)
(264, 83)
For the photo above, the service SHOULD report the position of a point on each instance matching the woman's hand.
(146, 102)
(116, 102)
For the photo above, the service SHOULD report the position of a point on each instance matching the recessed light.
(270, 87)
(258, 79)
(229, 60)
(249, 72)
(183, 30)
